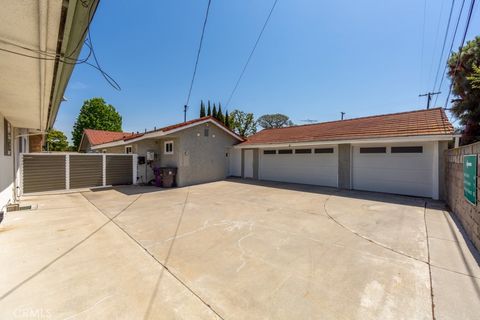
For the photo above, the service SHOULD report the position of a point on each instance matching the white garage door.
(316, 166)
(400, 169)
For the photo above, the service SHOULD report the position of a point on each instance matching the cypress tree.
(209, 111)
(220, 115)
(214, 111)
(202, 109)
(227, 120)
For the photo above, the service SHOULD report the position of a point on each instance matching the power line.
(436, 40)
(443, 46)
(459, 59)
(251, 54)
(423, 41)
(451, 48)
(196, 61)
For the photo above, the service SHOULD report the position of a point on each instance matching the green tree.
(56, 141)
(202, 109)
(242, 123)
(466, 105)
(227, 119)
(214, 111)
(220, 115)
(209, 111)
(96, 114)
(475, 78)
(277, 120)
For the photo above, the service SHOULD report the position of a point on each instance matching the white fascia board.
(157, 134)
(354, 141)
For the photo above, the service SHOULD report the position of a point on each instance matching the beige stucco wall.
(198, 158)
(203, 159)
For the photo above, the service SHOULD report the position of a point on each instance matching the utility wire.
(451, 48)
(52, 56)
(443, 46)
(198, 54)
(423, 41)
(459, 59)
(251, 54)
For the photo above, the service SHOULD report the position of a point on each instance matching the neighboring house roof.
(403, 124)
(96, 137)
(167, 130)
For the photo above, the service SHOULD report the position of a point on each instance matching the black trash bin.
(168, 176)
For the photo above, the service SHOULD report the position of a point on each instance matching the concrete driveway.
(235, 250)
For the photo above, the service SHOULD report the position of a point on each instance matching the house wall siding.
(198, 158)
(203, 159)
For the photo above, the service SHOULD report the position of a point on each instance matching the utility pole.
(429, 97)
(185, 107)
(342, 113)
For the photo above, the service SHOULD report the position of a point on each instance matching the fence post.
(104, 170)
(134, 168)
(67, 172)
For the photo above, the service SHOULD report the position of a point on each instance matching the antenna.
(309, 120)
(185, 107)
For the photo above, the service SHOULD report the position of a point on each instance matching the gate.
(51, 172)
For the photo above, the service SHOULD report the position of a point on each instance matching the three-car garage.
(396, 153)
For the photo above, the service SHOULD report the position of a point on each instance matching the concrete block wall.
(468, 214)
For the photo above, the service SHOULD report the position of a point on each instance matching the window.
(104, 150)
(7, 143)
(285, 151)
(168, 147)
(128, 149)
(373, 150)
(269, 151)
(205, 132)
(324, 150)
(302, 151)
(411, 149)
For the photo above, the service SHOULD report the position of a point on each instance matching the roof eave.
(77, 19)
(397, 139)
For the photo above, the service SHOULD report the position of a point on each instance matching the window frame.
(373, 150)
(285, 151)
(324, 150)
(303, 151)
(131, 149)
(165, 144)
(269, 151)
(406, 149)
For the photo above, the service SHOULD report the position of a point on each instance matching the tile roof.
(411, 123)
(130, 136)
(97, 137)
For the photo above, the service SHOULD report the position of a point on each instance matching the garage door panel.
(317, 169)
(400, 173)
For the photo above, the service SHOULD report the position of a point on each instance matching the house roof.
(170, 129)
(96, 137)
(403, 124)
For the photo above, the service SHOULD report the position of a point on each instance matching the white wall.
(6, 171)
(399, 173)
(235, 162)
(314, 168)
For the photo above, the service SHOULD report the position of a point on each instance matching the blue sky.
(315, 59)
